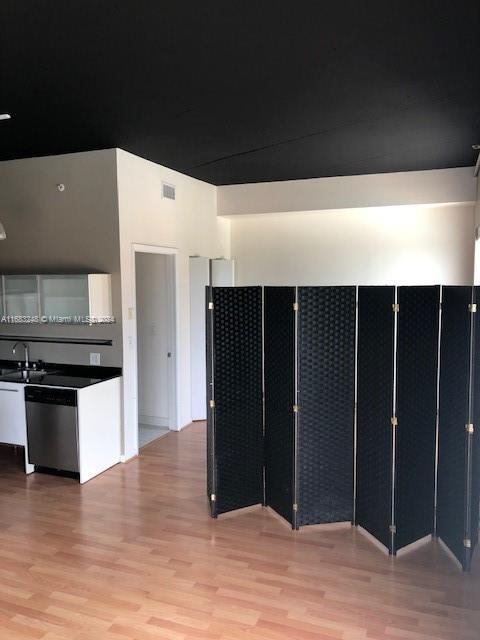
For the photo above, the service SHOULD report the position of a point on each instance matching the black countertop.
(60, 375)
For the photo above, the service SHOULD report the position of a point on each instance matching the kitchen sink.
(4, 372)
(23, 374)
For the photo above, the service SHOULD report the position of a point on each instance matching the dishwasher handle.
(49, 395)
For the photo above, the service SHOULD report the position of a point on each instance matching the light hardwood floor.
(133, 554)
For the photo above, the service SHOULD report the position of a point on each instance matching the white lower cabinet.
(13, 425)
(99, 427)
(12, 414)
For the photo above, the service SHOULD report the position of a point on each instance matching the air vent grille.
(168, 191)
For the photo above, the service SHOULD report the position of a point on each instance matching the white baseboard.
(180, 427)
(327, 526)
(278, 517)
(450, 554)
(153, 421)
(124, 458)
(373, 540)
(414, 545)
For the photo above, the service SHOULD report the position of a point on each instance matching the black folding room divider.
(234, 394)
(458, 462)
(397, 412)
(339, 404)
(474, 438)
(306, 454)
(309, 403)
(376, 333)
(280, 400)
(416, 412)
(326, 403)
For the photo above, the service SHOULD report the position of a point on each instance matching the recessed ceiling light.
(5, 116)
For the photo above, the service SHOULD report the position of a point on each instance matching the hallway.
(133, 554)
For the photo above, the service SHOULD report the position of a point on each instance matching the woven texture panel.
(374, 410)
(453, 416)
(238, 397)
(476, 437)
(326, 379)
(279, 327)
(208, 395)
(417, 358)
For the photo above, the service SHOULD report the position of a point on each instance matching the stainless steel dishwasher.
(52, 428)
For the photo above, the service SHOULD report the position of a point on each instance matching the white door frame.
(173, 329)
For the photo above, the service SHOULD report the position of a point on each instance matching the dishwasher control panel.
(47, 395)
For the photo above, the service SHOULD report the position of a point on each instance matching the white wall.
(476, 279)
(223, 273)
(199, 280)
(406, 245)
(435, 187)
(152, 293)
(190, 225)
(477, 203)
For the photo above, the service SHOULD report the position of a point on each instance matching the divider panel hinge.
(212, 404)
(295, 408)
(295, 507)
(472, 308)
(213, 497)
(394, 421)
(467, 543)
(210, 306)
(469, 428)
(395, 307)
(392, 528)
(295, 306)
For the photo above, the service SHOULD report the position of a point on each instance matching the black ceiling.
(245, 91)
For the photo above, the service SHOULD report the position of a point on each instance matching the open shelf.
(61, 340)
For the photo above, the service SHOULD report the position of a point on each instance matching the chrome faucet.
(25, 346)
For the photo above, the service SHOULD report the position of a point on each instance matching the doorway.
(155, 316)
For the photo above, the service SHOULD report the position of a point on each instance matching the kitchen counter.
(60, 375)
(97, 392)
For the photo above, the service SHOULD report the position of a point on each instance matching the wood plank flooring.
(133, 555)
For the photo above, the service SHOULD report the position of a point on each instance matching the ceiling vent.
(168, 191)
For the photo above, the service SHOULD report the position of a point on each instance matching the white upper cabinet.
(57, 298)
(100, 296)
